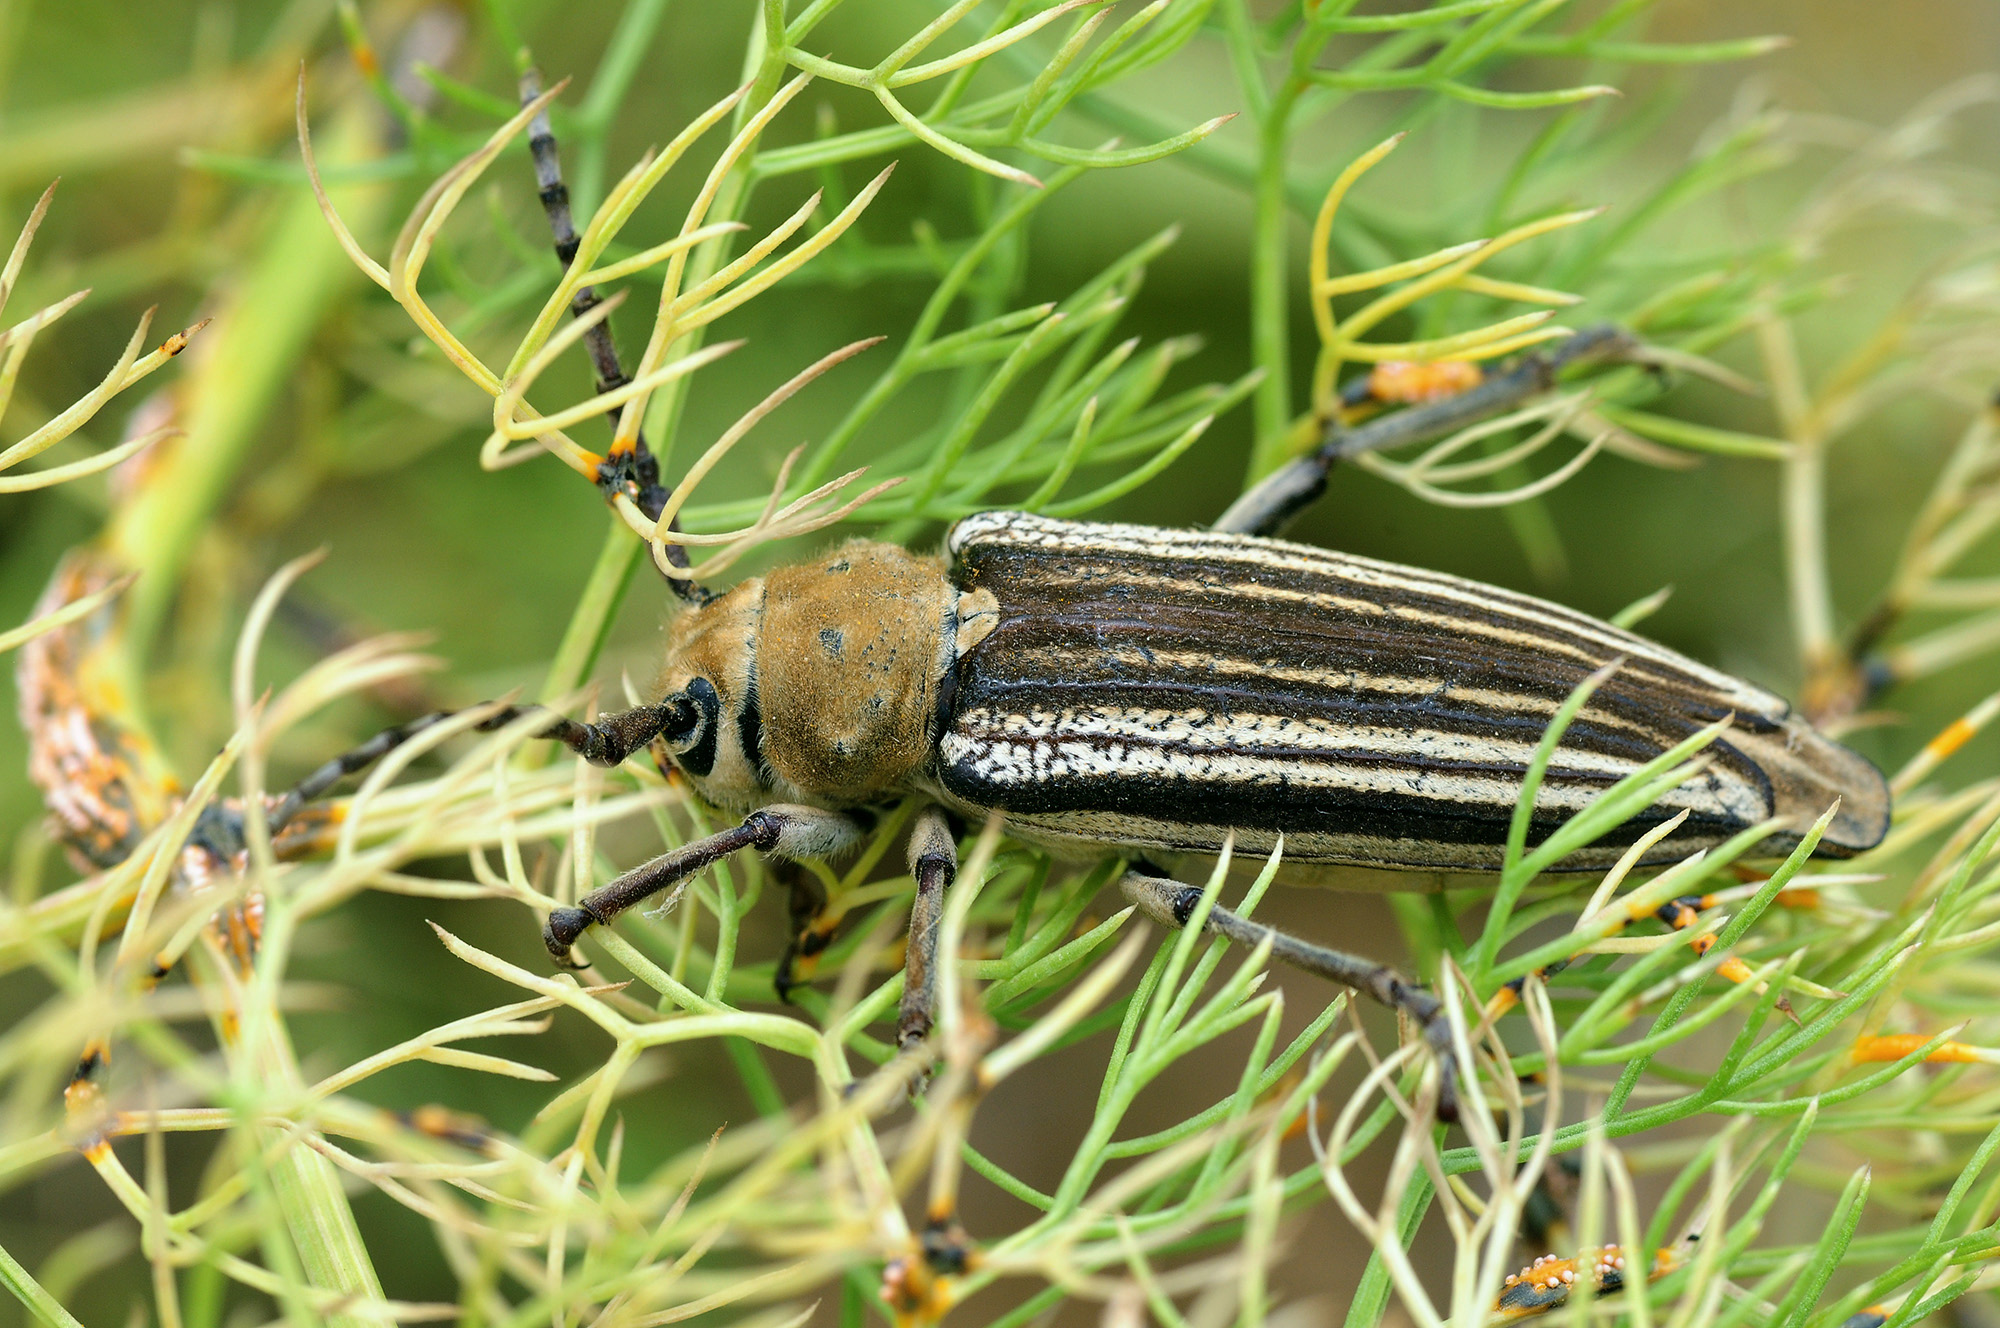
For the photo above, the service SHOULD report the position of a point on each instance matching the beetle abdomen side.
(1160, 688)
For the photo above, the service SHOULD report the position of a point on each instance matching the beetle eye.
(691, 724)
(682, 720)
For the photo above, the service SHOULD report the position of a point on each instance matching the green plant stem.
(1804, 499)
(1371, 1298)
(30, 1293)
(240, 365)
(596, 610)
(306, 1185)
(1270, 294)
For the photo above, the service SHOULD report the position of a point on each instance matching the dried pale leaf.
(485, 1064)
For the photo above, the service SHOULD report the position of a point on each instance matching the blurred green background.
(357, 454)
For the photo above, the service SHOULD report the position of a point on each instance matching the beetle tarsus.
(564, 926)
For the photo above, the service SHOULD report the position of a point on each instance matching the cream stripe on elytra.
(1055, 662)
(1075, 756)
(1202, 730)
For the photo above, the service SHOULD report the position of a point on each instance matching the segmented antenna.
(635, 470)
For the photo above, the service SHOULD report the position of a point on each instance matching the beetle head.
(708, 687)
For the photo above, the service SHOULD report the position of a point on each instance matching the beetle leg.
(1269, 506)
(1171, 903)
(812, 929)
(607, 742)
(786, 829)
(933, 862)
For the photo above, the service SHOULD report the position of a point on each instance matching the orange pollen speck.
(1895, 1046)
(1409, 382)
(1735, 970)
(1956, 734)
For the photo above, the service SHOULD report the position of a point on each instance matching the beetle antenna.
(606, 743)
(631, 470)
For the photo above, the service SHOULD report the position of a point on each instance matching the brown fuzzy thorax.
(851, 651)
(827, 674)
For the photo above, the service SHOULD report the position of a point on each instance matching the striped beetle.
(1159, 693)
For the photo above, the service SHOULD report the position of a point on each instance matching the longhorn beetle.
(1160, 693)
(1154, 693)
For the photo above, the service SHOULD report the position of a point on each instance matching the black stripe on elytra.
(1206, 811)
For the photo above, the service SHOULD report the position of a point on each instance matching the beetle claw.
(1438, 1037)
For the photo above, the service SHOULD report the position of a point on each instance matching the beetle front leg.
(786, 829)
(934, 863)
(1171, 903)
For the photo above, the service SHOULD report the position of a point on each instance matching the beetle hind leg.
(1171, 903)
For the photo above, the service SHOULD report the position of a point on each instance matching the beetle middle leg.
(811, 930)
(1171, 903)
(788, 830)
(934, 864)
